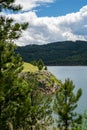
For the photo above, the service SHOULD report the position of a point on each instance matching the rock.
(47, 82)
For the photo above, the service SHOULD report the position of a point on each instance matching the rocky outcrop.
(47, 82)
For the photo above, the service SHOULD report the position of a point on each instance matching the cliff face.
(47, 82)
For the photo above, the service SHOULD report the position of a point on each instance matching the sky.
(51, 21)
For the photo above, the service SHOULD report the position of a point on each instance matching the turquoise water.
(78, 74)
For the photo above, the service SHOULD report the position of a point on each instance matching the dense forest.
(58, 53)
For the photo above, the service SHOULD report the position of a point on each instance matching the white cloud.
(30, 4)
(44, 30)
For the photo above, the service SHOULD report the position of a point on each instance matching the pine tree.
(22, 105)
(12, 88)
(40, 111)
(65, 104)
(84, 121)
(40, 64)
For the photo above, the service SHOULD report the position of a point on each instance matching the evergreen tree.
(22, 105)
(84, 121)
(40, 111)
(40, 64)
(8, 4)
(65, 104)
(12, 87)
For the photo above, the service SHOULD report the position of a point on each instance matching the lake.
(78, 74)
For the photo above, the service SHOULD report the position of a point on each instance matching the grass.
(29, 67)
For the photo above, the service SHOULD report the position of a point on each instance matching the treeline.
(59, 53)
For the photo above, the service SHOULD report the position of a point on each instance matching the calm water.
(79, 76)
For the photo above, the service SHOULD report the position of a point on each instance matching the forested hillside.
(58, 53)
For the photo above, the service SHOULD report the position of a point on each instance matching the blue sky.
(52, 20)
(61, 7)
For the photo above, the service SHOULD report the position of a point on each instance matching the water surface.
(78, 74)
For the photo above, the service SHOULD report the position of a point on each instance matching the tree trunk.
(10, 126)
(66, 125)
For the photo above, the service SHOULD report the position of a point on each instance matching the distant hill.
(58, 53)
